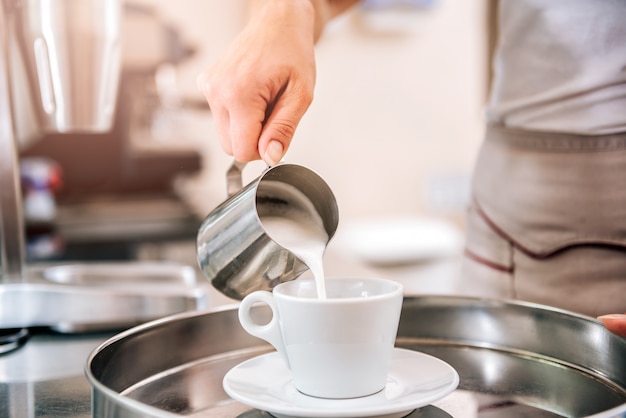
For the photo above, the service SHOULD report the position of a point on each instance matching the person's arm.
(261, 87)
(616, 323)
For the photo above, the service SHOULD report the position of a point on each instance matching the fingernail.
(611, 316)
(273, 153)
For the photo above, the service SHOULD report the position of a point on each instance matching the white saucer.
(415, 380)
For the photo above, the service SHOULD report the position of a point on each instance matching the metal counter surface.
(514, 359)
(45, 377)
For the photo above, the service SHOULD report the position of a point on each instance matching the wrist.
(310, 15)
(321, 14)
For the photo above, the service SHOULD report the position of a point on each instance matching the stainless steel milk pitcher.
(235, 253)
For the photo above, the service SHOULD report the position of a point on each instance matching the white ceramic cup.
(338, 347)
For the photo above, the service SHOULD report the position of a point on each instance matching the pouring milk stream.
(304, 235)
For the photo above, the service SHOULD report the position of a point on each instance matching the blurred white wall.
(397, 117)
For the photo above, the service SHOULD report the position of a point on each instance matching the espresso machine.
(59, 73)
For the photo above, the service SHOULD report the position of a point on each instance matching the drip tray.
(514, 360)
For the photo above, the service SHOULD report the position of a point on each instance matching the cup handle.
(269, 332)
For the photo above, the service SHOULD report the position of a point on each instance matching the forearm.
(312, 15)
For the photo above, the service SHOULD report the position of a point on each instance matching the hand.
(260, 89)
(616, 323)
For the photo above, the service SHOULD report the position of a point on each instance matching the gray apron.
(547, 223)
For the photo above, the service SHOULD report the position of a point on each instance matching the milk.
(303, 234)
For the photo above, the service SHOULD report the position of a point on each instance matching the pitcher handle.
(234, 182)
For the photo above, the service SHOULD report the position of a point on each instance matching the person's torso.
(560, 66)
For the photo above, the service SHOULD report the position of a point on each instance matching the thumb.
(274, 152)
(280, 127)
(616, 323)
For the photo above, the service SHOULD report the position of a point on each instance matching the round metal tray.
(514, 360)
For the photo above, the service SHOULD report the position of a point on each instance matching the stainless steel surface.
(97, 296)
(60, 61)
(45, 377)
(233, 247)
(514, 360)
(71, 52)
(11, 215)
(131, 219)
(12, 339)
(234, 174)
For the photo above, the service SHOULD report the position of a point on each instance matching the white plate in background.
(398, 240)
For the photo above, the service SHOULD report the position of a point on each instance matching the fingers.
(221, 116)
(252, 125)
(237, 119)
(246, 123)
(274, 152)
(616, 323)
(260, 88)
(281, 123)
